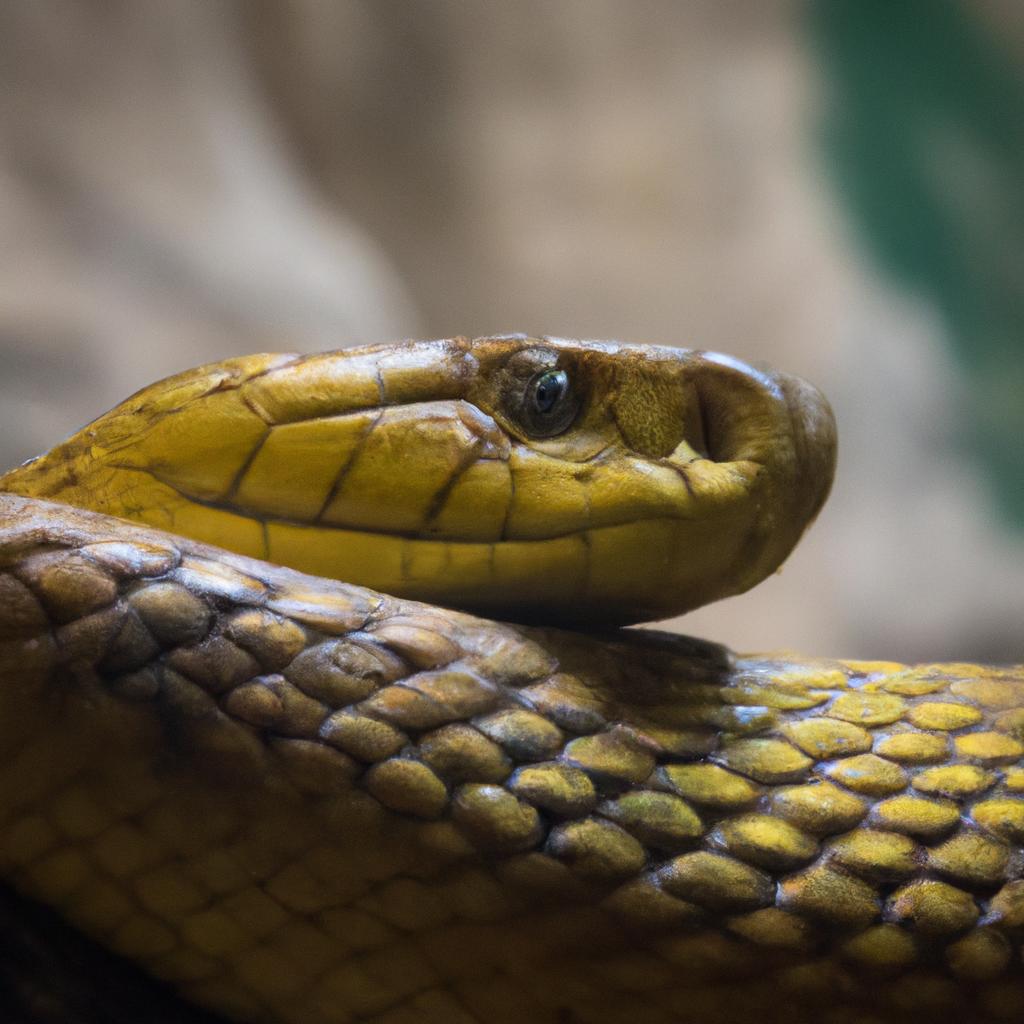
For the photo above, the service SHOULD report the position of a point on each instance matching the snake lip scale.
(250, 748)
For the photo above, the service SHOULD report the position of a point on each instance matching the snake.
(322, 701)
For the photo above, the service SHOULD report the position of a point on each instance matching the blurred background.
(835, 187)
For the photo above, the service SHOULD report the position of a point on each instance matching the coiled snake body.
(297, 800)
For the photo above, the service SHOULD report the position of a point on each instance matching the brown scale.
(294, 801)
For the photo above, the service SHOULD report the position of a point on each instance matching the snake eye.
(549, 406)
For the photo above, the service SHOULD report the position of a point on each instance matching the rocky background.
(825, 186)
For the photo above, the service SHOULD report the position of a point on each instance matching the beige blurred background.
(183, 181)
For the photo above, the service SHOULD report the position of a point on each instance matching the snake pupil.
(550, 387)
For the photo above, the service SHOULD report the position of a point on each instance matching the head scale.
(529, 478)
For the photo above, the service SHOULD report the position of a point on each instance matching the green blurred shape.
(924, 133)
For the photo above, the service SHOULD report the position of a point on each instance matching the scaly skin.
(684, 477)
(296, 800)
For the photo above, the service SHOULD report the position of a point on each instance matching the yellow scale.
(407, 470)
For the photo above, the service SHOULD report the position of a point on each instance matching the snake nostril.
(712, 423)
(704, 443)
(741, 409)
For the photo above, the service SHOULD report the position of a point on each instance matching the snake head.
(585, 483)
(667, 478)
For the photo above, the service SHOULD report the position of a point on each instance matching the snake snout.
(776, 420)
(773, 436)
(813, 432)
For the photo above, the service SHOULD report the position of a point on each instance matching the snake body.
(295, 799)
